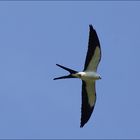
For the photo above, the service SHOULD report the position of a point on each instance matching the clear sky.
(34, 36)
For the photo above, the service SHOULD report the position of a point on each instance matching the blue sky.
(37, 35)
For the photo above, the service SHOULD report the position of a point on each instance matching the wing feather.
(88, 101)
(94, 51)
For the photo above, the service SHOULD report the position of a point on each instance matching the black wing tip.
(91, 27)
(57, 65)
(81, 125)
(83, 122)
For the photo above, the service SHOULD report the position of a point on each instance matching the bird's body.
(88, 76)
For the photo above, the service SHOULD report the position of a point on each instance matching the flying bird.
(88, 76)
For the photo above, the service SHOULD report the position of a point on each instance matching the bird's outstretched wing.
(94, 51)
(88, 100)
(88, 87)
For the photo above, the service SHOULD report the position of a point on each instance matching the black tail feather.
(64, 77)
(67, 76)
(67, 69)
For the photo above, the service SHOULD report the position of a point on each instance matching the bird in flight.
(88, 76)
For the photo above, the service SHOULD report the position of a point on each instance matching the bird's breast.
(88, 75)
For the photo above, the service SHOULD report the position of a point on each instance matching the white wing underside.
(93, 64)
(91, 93)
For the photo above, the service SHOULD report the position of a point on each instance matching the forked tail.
(67, 76)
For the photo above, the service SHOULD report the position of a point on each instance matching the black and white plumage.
(88, 76)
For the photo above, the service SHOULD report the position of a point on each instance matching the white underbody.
(87, 75)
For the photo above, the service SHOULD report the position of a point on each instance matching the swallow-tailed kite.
(88, 76)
